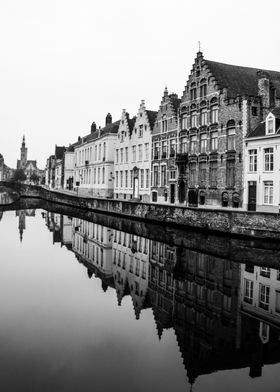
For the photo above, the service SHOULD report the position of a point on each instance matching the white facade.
(131, 268)
(68, 180)
(58, 174)
(260, 296)
(133, 156)
(262, 167)
(94, 162)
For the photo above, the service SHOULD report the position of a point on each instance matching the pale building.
(262, 165)
(260, 297)
(68, 168)
(133, 155)
(94, 160)
(131, 268)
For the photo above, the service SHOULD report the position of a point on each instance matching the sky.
(67, 63)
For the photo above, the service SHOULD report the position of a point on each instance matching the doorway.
(252, 195)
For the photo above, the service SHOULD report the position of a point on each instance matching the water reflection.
(225, 315)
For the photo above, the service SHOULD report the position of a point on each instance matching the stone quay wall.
(243, 223)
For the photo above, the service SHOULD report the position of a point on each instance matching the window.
(99, 152)
(192, 174)
(268, 192)
(140, 152)
(268, 159)
(264, 271)
(95, 153)
(230, 173)
(184, 145)
(146, 150)
(248, 291)
(103, 175)
(254, 111)
(104, 151)
(193, 119)
(133, 153)
(126, 178)
(270, 124)
(147, 178)
(231, 135)
(264, 296)
(164, 149)
(94, 176)
(156, 151)
(156, 176)
(202, 174)
(172, 147)
(203, 88)
(214, 109)
(184, 122)
(203, 113)
(253, 160)
(142, 178)
(121, 151)
(277, 302)
(214, 141)
(193, 144)
(98, 175)
(131, 178)
(213, 173)
(203, 142)
(163, 175)
(172, 174)
(193, 91)
(140, 130)
(117, 156)
(121, 178)
(164, 124)
(126, 154)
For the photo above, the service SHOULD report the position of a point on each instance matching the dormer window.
(270, 124)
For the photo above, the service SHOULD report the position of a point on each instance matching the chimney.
(265, 91)
(108, 119)
(93, 127)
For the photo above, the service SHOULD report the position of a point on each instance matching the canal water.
(87, 306)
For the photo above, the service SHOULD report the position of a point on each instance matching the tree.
(34, 178)
(19, 175)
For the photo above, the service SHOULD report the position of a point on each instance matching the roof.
(175, 101)
(241, 80)
(152, 115)
(130, 122)
(110, 128)
(260, 128)
(276, 112)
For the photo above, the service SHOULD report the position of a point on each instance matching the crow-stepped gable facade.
(220, 104)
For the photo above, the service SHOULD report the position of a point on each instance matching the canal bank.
(236, 222)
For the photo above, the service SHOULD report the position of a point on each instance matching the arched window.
(203, 113)
(193, 91)
(231, 135)
(203, 88)
(193, 116)
(214, 110)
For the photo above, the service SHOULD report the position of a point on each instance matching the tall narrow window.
(126, 154)
(133, 153)
(164, 149)
(147, 178)
(203, 142)
(231, 135)
(184, 122)
(104, 151)
(203, 113)
(214, 109)
(172, 147)
(248, 291)
(193, 118)
(264, 296)
(146, 150)
(193, 91)
(253, 160)
(163, 175)
(184, 145)
(203, 88)
(230, 173)
(140, 152)
(103, 175)
(193, 174)
(268, 192)
(142, 178)
(202, 174)
(155, 175)
(164, 123)
(268, 159)
(214, 141)
(213, 173)
(156, 151)
(193, 144)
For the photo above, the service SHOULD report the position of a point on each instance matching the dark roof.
(152, 115)
(276, 112)
(130, 121)
(258, 131)
(110, 128)
(175, 101)
(59, 151)
(240, 80)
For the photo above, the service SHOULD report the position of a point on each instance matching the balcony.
(182, 158)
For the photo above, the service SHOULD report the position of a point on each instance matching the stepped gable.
(240, 80)
(152, 115)
(260, 128)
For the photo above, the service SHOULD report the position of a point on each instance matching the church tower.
(23, 153)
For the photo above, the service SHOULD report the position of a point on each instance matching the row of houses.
(225, 315)
(215, 146)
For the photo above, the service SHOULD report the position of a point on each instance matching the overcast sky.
(66, 63)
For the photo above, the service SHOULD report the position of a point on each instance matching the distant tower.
(23, 153)
(21, 223)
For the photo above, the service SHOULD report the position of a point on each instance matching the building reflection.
(22, 214)
(225, 315)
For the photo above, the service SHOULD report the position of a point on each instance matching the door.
(252, 195)
(172, 193)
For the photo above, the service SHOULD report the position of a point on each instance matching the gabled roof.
(260, 128)
(152, 115)
(130, 122)
(240, 80)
